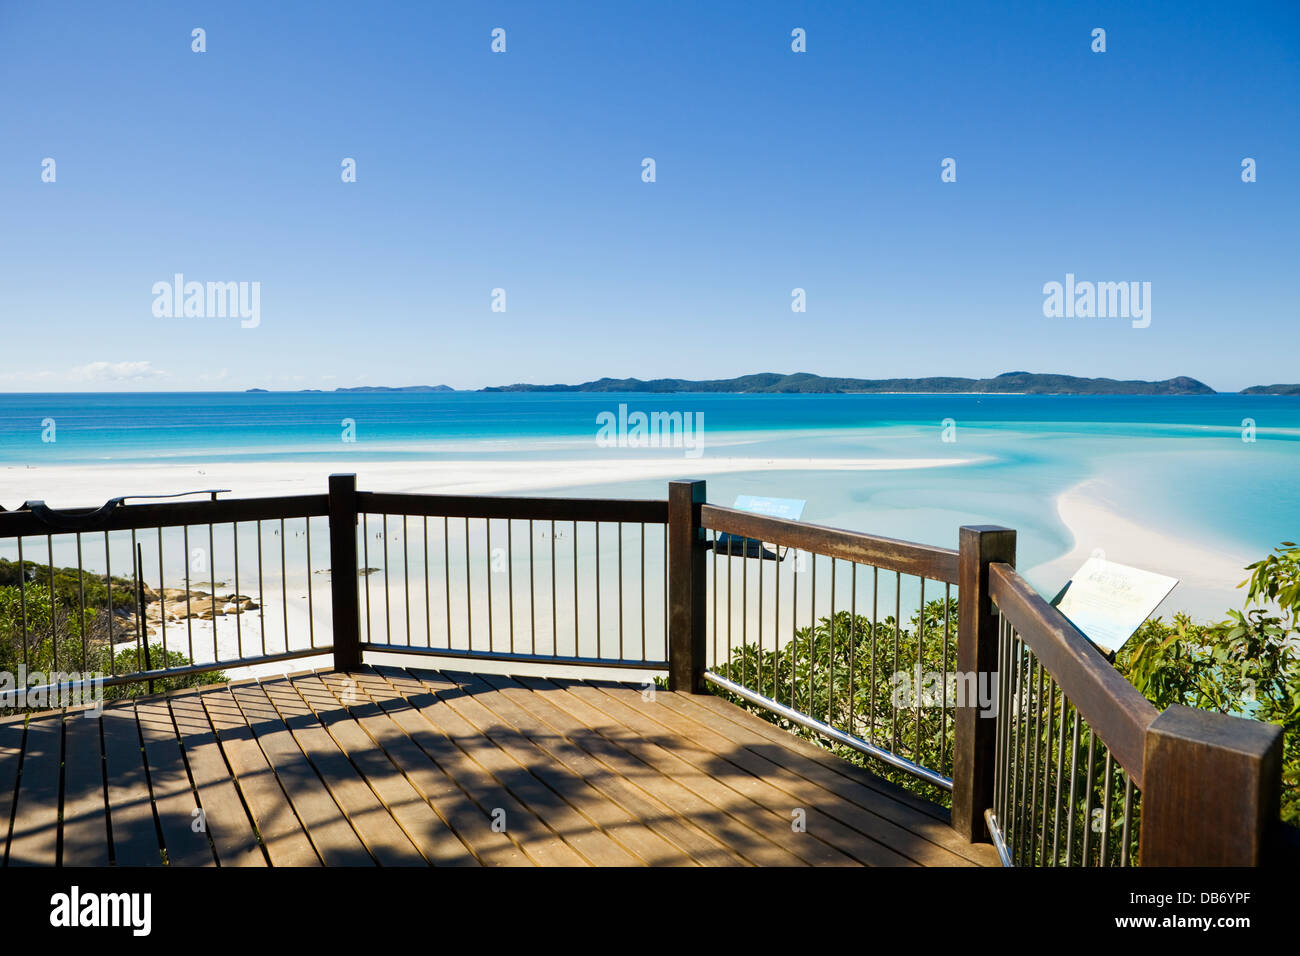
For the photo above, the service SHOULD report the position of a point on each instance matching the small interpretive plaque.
(1109, 601)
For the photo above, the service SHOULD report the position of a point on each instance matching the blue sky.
(522, 171)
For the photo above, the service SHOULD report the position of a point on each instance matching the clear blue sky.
(522, 171)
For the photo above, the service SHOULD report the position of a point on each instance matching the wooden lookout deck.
(414, 767)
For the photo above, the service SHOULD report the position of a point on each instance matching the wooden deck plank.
(387, 842)
(12, 733)
(717, 808)
(736, 744)
(387, 717)
(85, 819)
(580, 785)
(330, 832)
(229, 827)
(472, 760)
(527, 772)
(401, 766)
(640, 793)
(282, 833)
(169, 782)
(428, 831)
(35, 839)
(808, 760)
(823, 842)
(827, 759)
(130, 805)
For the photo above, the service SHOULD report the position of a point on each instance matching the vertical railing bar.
(469, 597)
(920, 669)
(108, 580)
(744, 608)
(621, 655)
(759, 685)
(830, 671)
(532, 590)
(596, 529)
(1087, 806)
(555, 618)
(871, 696)
(943, 713)
(365, 571)
(406, 574)
(311, 605)
(644, 652)
(136, 601)
(54, 637)
(1060, 774)
(576, 650)
(898, 613)
(812, 632)
(510, 579)
(189, 614)
(1033, 789)
(239, 630)
(446, 573)
(428, 604)
(81, 601)
(162, 597)
(1040, 834)
(776, 627)
(1069, 804)
(284, 585)
(853, 641)
(212, 572)
(492, 637)
(261, 589)
(794, 626)
(1128, 817)
(388, 581)
(715, 602)
(1105, 810)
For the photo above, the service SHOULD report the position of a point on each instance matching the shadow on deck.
(415, 767)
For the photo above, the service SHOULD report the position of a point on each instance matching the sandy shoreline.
(63, 486)
(1208, 577)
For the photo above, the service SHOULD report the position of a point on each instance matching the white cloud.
(116, 372)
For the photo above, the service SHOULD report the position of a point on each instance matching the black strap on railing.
(88, 519)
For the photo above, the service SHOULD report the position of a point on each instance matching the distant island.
(1018, 383)
(806, 383)
(1272, 390)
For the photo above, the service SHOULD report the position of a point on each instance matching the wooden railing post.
(1212, 789)
(343, 572)
(975, 733)
(686, 586)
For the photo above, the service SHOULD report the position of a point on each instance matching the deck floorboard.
(412, 767)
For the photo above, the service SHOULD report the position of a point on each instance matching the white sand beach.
(63, 486)
(1208, 576)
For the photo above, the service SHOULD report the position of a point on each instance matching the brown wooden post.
(343, 572)
(1212, 785)
(975, 734)
(686, 586)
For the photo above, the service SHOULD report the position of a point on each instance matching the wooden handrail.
(169, 515)
(906, 557)
(631, 510)
(1117, 713)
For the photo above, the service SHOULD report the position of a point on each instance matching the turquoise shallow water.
(1178, 463)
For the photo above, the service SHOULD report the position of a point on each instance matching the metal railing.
(140, 592)
(567, 580)
(847, 635)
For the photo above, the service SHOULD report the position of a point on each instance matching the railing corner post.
(687, 586)
(343, 572)
(974, 733)
(1212, 789)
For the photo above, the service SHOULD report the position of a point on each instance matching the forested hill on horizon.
(1025, 383)
(806, 383)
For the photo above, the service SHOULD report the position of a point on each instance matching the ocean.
(1215, 470)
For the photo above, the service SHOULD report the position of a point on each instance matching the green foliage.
(1247, 665)
(65, 621)
(836, 672)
